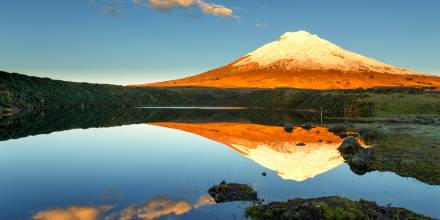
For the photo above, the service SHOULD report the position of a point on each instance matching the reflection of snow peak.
(272, 147)
(299, 165)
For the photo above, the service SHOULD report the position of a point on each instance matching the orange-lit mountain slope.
(303, 60)
(272, 147)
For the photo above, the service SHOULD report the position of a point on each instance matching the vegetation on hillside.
(26, 92)
(20, 92)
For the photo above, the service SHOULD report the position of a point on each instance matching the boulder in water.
(307, 126)
(226, 192)
(288, 127)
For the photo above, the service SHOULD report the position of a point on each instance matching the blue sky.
(135, 41)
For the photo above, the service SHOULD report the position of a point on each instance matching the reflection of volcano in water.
(274, 148)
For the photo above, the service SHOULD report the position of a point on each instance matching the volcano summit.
(304, 60)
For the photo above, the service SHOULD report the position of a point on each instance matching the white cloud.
(217, 10)
(116, 8)
(207, 8)
(167, 4)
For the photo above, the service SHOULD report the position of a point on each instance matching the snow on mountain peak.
(297, 35)
(302, 50)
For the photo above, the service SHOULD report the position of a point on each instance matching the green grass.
(409, 150)
(398, 104)
(328, 208)
(19, 91)
(407, 155)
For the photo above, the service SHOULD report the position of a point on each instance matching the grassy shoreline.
(20, 92)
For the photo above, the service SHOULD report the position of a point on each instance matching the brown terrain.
(247, 77)
(305, 61)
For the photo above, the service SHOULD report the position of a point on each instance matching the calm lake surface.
(159, 164)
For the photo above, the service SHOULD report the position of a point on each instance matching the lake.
(160, 163)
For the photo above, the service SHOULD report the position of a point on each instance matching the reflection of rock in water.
(274, 148)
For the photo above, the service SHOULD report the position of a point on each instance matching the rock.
(343, 134)
(337, 128)
(342, 130)
(264, 174)
(360, 161)
(288, 127)
(356, 156)
(350, 145)
(307, 126)
(369, 134)
(225, 192)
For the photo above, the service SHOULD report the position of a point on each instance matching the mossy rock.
(357, 157)
(350, 145)
(324, 208)
(227, 192)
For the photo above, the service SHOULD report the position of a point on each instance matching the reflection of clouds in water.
(153, 209)
(204, 200)
(159, 207)
(72, 213)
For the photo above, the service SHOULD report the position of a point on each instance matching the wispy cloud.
(217, 10)
(168, 4)
(113, 8)
(260, 24)
(116, 8)
(207, 8)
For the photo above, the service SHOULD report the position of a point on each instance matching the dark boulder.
(360, 161)
(307, 126)
(288, 127)
(356, 156)
(343, 130)
(337, 128)
(350, 145)
(226, 192)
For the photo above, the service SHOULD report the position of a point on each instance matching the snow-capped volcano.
(303, 60)
(304, 51)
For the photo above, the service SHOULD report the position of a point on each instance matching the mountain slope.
(303, 60)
